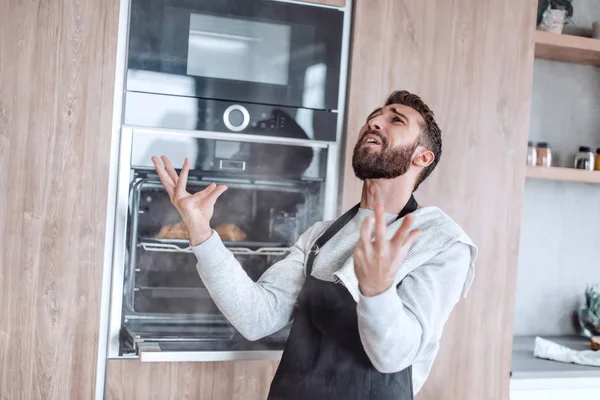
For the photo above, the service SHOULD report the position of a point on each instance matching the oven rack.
(177, 248)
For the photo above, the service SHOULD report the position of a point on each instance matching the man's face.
(387, 142)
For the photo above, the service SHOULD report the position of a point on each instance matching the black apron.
(324, 358)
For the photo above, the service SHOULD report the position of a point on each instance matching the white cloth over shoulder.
(439, 232)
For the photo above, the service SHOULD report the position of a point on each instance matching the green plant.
(543, 5)
(592, 300)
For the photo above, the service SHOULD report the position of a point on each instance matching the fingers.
(403, 232)
(211, 193)
(164, 177)
(169, 167)
(365, 232)
(380, 225)
(182, 181)
(412, 236)
(214, 195)
(404, 236)
(206, 191)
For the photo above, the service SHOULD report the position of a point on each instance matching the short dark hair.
(431, 134)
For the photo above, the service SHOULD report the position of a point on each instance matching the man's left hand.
(376, 263)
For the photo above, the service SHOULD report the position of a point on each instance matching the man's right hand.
(196, 209)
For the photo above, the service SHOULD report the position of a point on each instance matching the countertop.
(526, 366)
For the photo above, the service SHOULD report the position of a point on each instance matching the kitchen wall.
(559, 251)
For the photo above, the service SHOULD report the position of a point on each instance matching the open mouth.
(372, 139)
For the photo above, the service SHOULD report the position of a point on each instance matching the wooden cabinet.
(133, 380)
(57, 68)
(472, 62)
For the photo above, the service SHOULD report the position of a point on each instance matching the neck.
(393, 194)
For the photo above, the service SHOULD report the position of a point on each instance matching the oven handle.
(150, 352)
(231, 165)
(237, 137)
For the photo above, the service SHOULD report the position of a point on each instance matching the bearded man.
(367, 294)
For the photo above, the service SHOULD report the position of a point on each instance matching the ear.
(423, 157)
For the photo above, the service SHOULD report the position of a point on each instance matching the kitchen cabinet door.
(57, 76)
(134, 380)
(472, 62)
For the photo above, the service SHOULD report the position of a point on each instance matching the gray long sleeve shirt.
(398, 328)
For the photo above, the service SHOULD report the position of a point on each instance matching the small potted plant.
(552, 14)
(589, 316)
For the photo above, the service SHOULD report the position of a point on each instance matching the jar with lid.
(597, 163)
(543, 155)
(531, 154)
(584, 158)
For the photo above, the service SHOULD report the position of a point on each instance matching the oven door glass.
(260, 51)
(165, 301)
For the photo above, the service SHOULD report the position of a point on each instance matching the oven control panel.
(192, 113)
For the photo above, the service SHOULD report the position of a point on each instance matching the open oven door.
(155, 342)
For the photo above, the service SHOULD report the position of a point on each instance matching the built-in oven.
(277, 189)
(253, 93)
(250, 51)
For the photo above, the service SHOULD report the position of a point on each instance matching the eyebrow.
(398, 113)
(376, 111)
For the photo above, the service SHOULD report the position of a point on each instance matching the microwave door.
(254, 51)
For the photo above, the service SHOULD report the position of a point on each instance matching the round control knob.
(236, 118)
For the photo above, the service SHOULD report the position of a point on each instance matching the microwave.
(251, 51)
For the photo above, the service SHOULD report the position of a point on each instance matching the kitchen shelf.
(568, 48)
(563, 174)
(525, 366)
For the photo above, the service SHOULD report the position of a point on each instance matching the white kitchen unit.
(536, 379)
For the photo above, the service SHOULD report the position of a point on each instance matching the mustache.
(384, 140)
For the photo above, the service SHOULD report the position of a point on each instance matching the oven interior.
(164, 297)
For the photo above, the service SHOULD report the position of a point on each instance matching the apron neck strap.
(409, 207)
(334, 228)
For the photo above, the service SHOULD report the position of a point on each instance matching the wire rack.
(177, 248)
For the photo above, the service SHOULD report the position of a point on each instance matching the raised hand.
(197, 209)
(376, 263)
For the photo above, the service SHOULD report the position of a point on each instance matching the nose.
(375, 124)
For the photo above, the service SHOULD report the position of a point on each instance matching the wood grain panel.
(56, 88)
(244, 379)
(472, 62)
(133, 380)
(563, 174)
(567, 48)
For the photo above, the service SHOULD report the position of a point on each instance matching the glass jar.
(589, 323)
(543, 155)
(532, 154)
(584, 158)
(597, 163)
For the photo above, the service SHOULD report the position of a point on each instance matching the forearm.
(390, 334)
(397, 327)
(255, 309)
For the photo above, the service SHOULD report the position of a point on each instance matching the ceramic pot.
(553, 21)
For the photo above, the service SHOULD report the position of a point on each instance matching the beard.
(387, 163)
